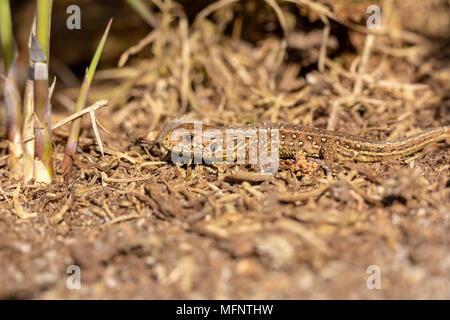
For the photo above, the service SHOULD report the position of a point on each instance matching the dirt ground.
(141, 227)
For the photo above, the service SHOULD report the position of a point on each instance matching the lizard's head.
(174, 133)
(186, 138)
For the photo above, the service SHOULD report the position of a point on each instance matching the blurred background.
(73, 49)
(200, 232)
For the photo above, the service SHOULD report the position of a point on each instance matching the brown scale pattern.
(313, 142)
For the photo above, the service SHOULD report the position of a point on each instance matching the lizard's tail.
(412, 144)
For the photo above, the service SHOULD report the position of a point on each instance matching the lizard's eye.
(179, 137)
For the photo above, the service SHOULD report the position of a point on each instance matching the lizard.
(292, 140)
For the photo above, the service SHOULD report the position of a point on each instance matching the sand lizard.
(318, 143)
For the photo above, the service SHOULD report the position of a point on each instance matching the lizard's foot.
(302, 166)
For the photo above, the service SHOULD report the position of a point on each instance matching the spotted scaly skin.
(314, 142)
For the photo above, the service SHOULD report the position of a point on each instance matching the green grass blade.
(98, 53)
(43, 25)
(72, 141)
(6, 34)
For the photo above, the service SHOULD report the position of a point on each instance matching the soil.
(140, 227)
